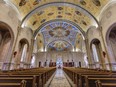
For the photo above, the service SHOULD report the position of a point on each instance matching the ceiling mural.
(59, 30)
(51, 12)
(25, 6)
(64, 20)
(75, 15)
(59, 46)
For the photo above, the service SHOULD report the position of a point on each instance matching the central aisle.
(59, 80)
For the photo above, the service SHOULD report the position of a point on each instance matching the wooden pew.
(21, 84)
(104, 84)
(86, 77)
(35, 77)
(90, 82)
(31, 81)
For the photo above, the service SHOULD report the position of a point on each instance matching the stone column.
(88, 53)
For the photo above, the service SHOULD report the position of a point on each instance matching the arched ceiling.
(60, 12)
(59, 45)
(36, 12)
(59, 30)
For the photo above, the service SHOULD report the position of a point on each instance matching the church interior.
(57, 43)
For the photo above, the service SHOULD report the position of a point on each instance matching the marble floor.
(59, 80)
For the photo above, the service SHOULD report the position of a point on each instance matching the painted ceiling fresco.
(78, 11)
(59, 30)
(60, 35)
(59, 46)
(61, 12)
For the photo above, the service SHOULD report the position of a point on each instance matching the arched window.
(24, 53)
(22, 58)
(97, 54)
(33, 61)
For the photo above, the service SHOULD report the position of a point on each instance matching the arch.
(59, 4)
(23, 52)
(96, 53)
(89, 29)
(58, 20)
(14, 7)
(111, 3)
(111, 41)
(6, 44)
(24, 41)
(72, 23)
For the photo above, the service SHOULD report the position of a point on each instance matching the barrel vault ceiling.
(83, 13)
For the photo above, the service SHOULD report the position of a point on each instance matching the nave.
(39, 36)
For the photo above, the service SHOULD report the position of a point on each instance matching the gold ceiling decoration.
(25, 6)
(51, 13)
(61, 12)
(83, 13)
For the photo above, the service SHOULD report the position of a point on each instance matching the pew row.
(88, 77)
(36, 77)
(21, 84)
